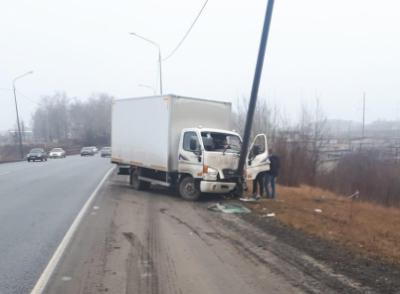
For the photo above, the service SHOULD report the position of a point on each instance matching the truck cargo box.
(146, 130)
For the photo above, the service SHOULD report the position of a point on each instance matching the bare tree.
(50, 121)
(60, 118)
(318, 141)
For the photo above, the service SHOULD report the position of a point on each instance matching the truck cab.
(208, 160)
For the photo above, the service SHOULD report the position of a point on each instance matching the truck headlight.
(212, 171)
(211, 174)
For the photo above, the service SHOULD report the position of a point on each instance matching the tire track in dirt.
(298, 269)
(296, 266)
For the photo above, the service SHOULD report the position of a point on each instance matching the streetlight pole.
(160, 69)
(159, 57)
(16, 110)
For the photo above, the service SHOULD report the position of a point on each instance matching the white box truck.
(181, 142)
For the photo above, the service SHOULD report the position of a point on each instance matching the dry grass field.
(362, 227)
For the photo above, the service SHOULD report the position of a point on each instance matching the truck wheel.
(188, 190)
(136, 183)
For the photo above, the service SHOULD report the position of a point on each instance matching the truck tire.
(136, 183)
(188, 189)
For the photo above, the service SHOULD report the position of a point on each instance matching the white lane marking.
(5, 173)
(51, 266)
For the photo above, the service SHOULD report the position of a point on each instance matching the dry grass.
(362, 227)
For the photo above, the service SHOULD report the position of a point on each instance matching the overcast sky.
(333, 50)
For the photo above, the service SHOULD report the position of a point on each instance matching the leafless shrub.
(366, 171)
(297, 145)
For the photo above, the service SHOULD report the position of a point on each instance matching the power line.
(187, 32)
(27, 98)
(23, 96)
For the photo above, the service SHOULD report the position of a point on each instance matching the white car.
(57, 153)
(95, 150)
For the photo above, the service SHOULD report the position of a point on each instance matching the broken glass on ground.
(229, 208)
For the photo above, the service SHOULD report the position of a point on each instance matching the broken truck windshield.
(214, 141)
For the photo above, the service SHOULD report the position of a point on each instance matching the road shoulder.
(147, 242)
(371, 273)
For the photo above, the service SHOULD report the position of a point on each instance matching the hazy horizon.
(330, 51)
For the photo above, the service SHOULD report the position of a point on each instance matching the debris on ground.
(229, 208)
(271, 214)
(320, 198)
(248, 199)
(356, 194)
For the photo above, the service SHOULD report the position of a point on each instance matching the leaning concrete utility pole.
(255, 87)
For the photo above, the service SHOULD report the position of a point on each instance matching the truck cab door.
(257, 158)
(190, 158)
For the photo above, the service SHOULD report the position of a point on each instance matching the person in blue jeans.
(258, 181)
(270, 176)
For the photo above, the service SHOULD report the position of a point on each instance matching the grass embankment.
(362, 227)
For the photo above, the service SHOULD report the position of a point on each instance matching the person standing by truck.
(259, 181)
(270, 176)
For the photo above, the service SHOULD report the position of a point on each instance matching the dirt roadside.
(376, 274)
(358, 239)
(154, 242)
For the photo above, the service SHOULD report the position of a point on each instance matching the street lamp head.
(23, 75)
(145, 39)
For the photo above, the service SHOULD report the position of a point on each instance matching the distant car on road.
(37, 154)
(95, 150)
(57, 153)
(105, 152)
(87, 151)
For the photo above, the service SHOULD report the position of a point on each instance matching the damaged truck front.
(183, 143)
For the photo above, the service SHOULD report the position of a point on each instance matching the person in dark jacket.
(270, 176)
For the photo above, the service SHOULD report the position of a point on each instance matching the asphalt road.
(151, 242)
(39, 201)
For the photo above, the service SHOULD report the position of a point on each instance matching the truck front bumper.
(216, 187)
